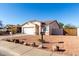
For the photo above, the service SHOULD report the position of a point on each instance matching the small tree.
(61, 25)
(11, 28)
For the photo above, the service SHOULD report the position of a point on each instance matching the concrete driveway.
(13, 49)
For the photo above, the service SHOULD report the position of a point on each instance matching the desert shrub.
(14, 30)
(16, 41)
(40, 40)
(8, 40)
(2, 32)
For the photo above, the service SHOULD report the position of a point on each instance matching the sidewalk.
(9, 48)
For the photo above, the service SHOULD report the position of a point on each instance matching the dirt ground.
(69, 45)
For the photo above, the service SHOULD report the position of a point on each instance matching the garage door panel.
(29, 31)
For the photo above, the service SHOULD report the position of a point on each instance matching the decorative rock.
(40, 46)
(27, 44)
(16, 41)
(13, 40)
(24, 43)
(21, 42)
(33, 44)
(55, 48)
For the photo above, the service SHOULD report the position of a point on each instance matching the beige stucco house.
(35, 27)
(31, 28)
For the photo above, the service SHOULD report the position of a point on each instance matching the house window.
(43, 29)
(47, 28)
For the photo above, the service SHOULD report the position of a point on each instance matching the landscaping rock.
(21, 42)
(55, 48)
(40, 46)
(16, 41)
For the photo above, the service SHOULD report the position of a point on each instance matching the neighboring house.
(35, 27)
(13, 28)
(3, 31)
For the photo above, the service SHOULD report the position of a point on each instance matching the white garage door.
(29, 31)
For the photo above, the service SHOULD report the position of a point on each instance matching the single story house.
(48, 27)
(13, 28)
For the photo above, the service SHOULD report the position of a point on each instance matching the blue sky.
(14, 13)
